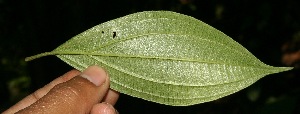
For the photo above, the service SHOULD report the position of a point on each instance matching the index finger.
(30, 99)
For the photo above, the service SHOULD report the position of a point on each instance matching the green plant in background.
(165, 57)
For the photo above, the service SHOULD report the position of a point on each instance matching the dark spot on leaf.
(102, 32)
(114, 34)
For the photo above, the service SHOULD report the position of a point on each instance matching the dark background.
(267, 28)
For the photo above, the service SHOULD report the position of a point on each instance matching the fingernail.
(109, 109)
(95, 74)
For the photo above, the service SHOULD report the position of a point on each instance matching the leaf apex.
(286, 68)
(282, 69)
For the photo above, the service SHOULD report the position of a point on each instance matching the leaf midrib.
(110, 65)
(144, 57)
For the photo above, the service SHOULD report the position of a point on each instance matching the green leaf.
(165, 57)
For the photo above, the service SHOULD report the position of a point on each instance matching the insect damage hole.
(114, 34)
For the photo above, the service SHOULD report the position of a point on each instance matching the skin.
(73, 92)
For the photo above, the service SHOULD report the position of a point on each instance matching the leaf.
(165, 57)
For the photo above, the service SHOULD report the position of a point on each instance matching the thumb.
(77, 95)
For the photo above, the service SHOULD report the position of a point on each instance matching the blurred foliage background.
(267, 28)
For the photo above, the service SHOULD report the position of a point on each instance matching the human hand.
(74, 92)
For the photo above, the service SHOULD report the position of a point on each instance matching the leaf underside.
(165, 57)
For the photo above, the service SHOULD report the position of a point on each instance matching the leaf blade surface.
(165, 57)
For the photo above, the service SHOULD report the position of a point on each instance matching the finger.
(111, 97)
(103, 108)
(77, 95)
(30, 99)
